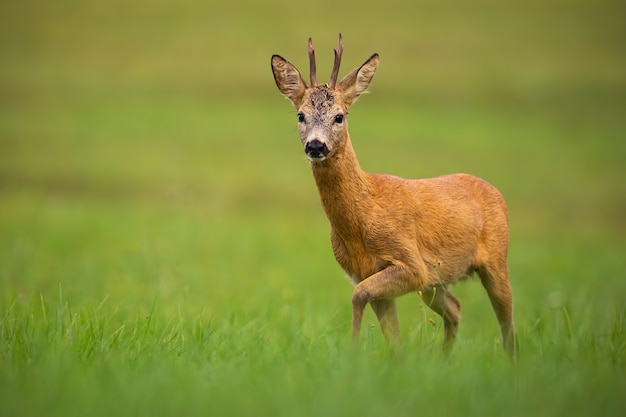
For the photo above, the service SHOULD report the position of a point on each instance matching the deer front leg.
(385, 309)
(442, 302)
(380, 289)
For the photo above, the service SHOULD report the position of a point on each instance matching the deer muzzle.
(316, 150)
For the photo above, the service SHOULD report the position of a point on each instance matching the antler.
(312, 61)
(335, 73)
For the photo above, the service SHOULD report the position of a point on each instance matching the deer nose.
(316, 149)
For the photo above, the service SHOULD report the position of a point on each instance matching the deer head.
(322, 109)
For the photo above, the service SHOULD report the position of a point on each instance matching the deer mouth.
(316, 159)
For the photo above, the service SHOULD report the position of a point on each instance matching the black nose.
(316, 149)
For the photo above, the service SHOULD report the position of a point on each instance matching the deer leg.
(389, 283)
(385, 309)
(442, 302)
(498, 287)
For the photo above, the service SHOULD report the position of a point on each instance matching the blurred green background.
(147, 157)
(155, 106)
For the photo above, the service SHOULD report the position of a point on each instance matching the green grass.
(162, 247)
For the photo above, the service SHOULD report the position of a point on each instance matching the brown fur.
(393, 235)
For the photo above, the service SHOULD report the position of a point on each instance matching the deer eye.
(301, 117)
(339, 119)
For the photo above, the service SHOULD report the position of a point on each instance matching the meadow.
(162, 246)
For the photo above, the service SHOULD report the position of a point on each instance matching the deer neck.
(344, 190)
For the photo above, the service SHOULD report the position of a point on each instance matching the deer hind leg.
(442, 302)
(385, 309)
(496, 282)
(380, 289)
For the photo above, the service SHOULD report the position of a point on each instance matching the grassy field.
(162, 246)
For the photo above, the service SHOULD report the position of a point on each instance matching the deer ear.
(355, 83)
(288, 80)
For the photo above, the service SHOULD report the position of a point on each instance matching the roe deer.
(393, 235)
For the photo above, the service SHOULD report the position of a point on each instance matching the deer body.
(392, 235)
